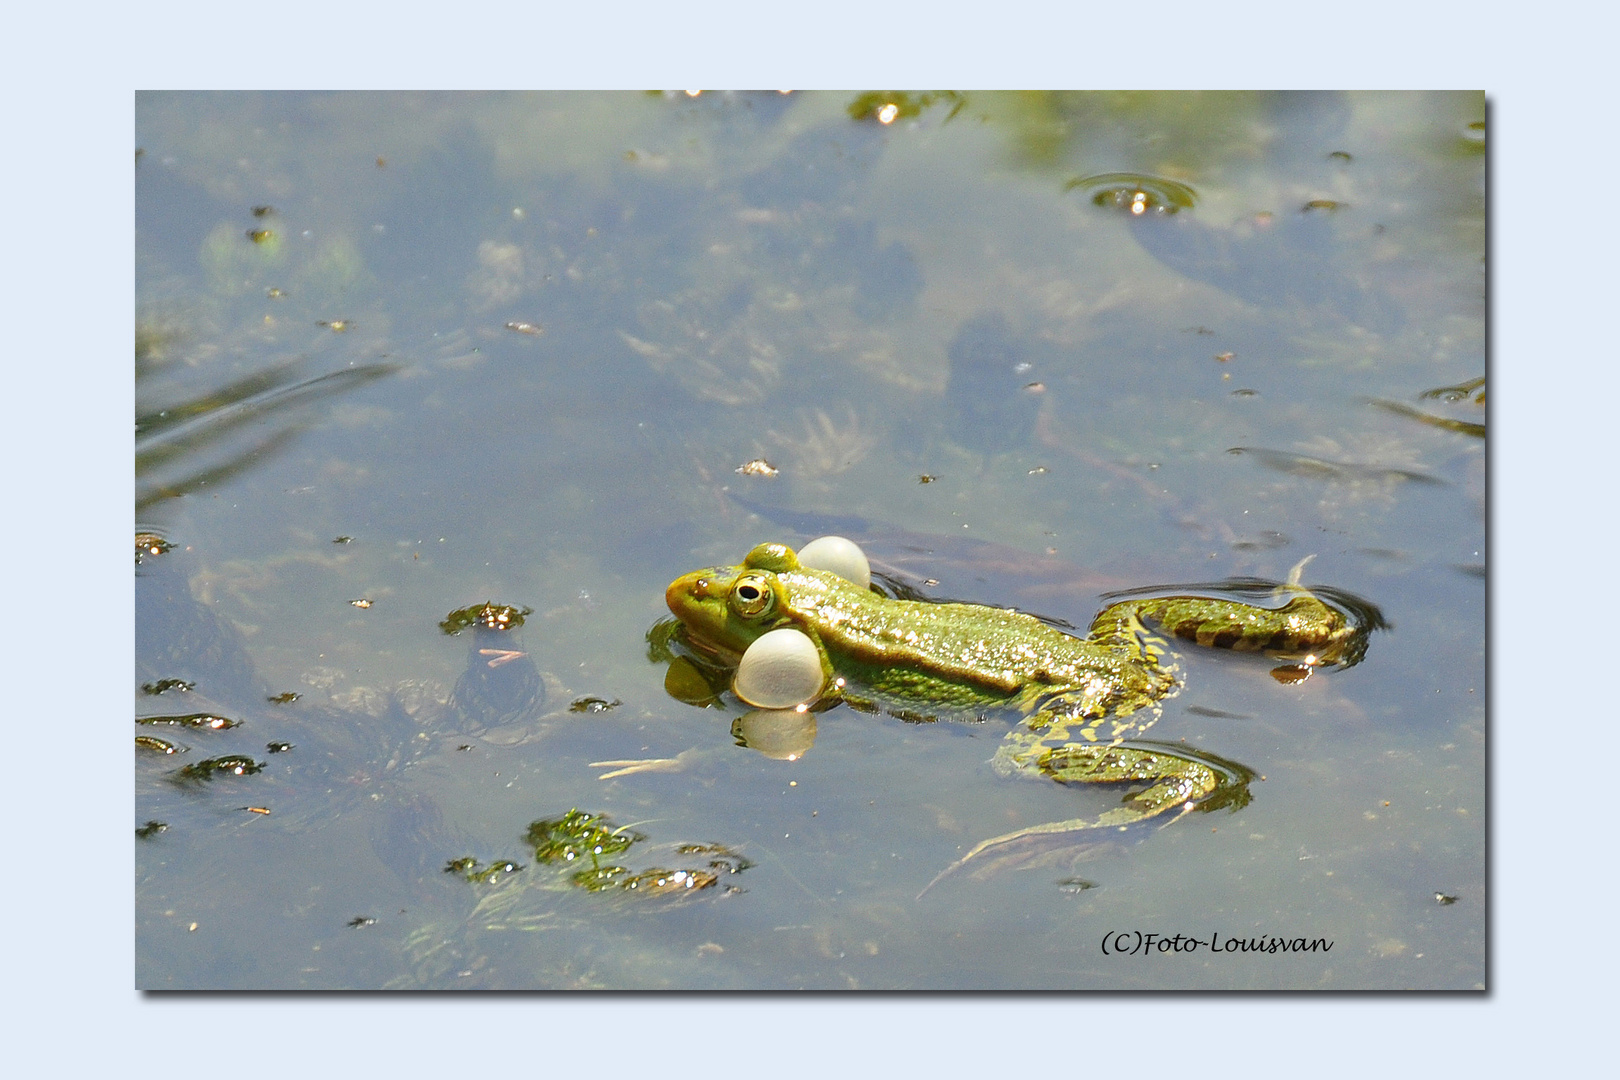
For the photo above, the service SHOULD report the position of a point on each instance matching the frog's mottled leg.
(1103, 715)
(1119, 627)
(1177, 778)
(1305, 626)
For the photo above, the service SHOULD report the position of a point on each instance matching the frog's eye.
(752, 596)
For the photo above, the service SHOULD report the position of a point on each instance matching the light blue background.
(68, 295)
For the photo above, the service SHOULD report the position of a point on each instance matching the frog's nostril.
(683, 590)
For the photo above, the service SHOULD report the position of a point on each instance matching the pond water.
(399, 355)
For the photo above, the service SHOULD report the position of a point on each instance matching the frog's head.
(725, 608)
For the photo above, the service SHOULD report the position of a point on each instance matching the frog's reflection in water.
(782, 734)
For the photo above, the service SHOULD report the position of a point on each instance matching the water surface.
(428, 351)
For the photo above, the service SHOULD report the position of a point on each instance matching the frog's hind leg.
(1144, 671)
(1178, 778)
(1119, 628)
(1303, 627)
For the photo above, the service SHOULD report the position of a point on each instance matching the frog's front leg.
(1176, 777)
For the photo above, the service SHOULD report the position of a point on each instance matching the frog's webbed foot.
(632, 766)
(1178, 778)
(1295, 575)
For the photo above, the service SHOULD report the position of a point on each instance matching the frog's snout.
(686, 590)
(675, 594)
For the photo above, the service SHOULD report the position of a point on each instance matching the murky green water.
(515, 348)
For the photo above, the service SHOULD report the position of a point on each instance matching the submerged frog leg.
(1178, 778)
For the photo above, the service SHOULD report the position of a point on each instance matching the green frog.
(1082, 702)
